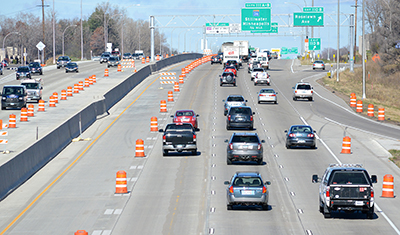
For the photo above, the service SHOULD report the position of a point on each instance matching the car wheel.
(2, 108)
(165, 152)
(313, 68)
(370, 214)
(275, 102)
(260, 162)
(265, 207)
(58, 67)
(287, 146)
(314, 146)
(255, 84)
(251, 128)
(228, 127)
(229, 207)
(294, 98)
(323, 68)
(194, 152)
(259, 102)
(234, 84)
(66, 71)
(220, 84)
(321, 208)
(310, 99)
(228, 161)
(327, 212)
(41, 73)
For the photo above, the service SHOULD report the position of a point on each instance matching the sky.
(200, 12)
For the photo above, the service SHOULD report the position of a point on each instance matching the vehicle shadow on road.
(250, 208)
(351, 216)
(182, 154)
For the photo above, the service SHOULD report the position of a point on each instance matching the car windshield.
(305, 129)
(240, 110)
(72, 64)
(245, 139)
(23, 69)
(127, 54)
(184, 113)
(235, 98)
(182, 127)
(13, 90)
(63, 58)
(34, 65)
(267, 91)
(247, 182)
(31, 85)
(105, 55)
(304, 87)
(346, 177)
(112, 59)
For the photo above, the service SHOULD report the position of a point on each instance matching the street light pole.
(4, 40)
(54, 36)
(63, 37)
(338, 42)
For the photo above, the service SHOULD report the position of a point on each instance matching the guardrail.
(19, 169)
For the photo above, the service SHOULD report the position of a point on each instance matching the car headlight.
(20, 98)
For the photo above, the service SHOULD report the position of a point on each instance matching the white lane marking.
(132, 167)
(211, 231)
(280, 166)
(292, 193)
(286, 179)
(117, 211)
(276, 155)
(355, 114)
(108, 211)
(213, 165)
(309, 232)
(134, 179)
(106, 232)
(291, 67)
(358, 129)
(213, 192)
(300, 211)
(140, 167)
(97, 232)
(212, 209)
(213, 178)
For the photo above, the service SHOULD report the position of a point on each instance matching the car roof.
(303, 83)
(184, 110)
(336, 166)
(244, 134)
(240, 107)
(299, 126)
(235, 96)
(14, 86)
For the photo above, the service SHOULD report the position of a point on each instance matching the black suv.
(244, 147)
(227, 78)
(239, 117)
(14, 96)
(62, 61)
(36, 68)
(346, 187)
(232, 63)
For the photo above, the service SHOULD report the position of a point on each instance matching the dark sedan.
(71, 67)
(300, 135)
(23, 72)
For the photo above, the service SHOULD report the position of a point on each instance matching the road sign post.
(256, 17)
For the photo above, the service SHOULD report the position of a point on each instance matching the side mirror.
(315, 178)
(197, 115)
(276, 92)
(160, 130)
(292, 87)
(246, 101)
(262, 141)
(268, 182)
(197, 129)
(172, 116)
(223, 100)
(314, 131)
(219, 75)
(374, 179)
(254, 113)
(285, 131)
(226, 141)
(226, 182)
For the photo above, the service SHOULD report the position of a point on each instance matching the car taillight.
(259, 146)
(372, 193)
(264, 189)
(327, 191)
(231, 189)
(261, 95)
(272, 95)
(295, 91)
(310, 135)
(231, 146)
(311, 91)
(194, 137)
(313, 64)
(251, 118)
(256, 75)
(164, 137)
(292, 135)
(229, 117)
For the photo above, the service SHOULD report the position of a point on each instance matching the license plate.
(359, 203)
(179, 146)
(247, 192)
(301, 141)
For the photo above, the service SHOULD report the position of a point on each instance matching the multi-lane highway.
(185, 194)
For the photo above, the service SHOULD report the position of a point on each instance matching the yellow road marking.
(73, 163)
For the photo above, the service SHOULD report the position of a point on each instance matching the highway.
(185, 194)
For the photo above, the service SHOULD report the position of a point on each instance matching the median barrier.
(26, 163)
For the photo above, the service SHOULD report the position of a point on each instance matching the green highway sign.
(217, 24)
(258, 4)
(285, 50)
(308, 19)
(256, 17)
(313, 9)
(274, 29)
(314, 44)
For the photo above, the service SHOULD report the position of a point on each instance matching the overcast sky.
(198, 9)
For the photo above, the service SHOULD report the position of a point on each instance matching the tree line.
(106, 21)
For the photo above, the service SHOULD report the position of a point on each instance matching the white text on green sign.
(313, 9)
(314, 44)
(258, 5)
(255, 19)
(217, 24)
(274, 29)
(308, 19)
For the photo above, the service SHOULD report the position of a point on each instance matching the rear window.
(349, 178)
(184, 113)
(304, 87)
(31, 85)
(247, 181)
(245, 139)
(267, 91)
(305, 129)
(319, 62)
(23, 69)
(72, 64)
(181, 127)
(63, 58)
(235, 98)
(228, 74)
(35, 64)
(258, 70)
(240, 110)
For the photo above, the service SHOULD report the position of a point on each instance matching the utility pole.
(355, 32)
(81, 34)
(43, 52)
(338, 42)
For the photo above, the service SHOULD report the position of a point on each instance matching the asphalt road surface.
(185, 194)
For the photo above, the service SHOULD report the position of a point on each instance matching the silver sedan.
(267, 95)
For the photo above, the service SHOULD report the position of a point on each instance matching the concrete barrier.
(19, 169)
